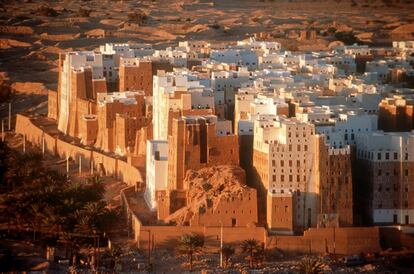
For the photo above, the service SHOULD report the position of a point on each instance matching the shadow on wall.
(391, 237)
(112, 166)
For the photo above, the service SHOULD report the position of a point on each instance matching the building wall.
(88, 129)
(194, 146)
(395, 117)
(118, 124)
(99, 86)
(336, 191)
(137, 77)
(126, 129)
(281, 212)
(289, 157)
(385, 170)
(140, 75)
(81, 94)
(156, 170)
(169, 236)
(111, 166)
(62, 95)
(240, 211)
(173, 96)
(361, 61)
(345, 241)
(176, 155)
(393, 193)
(259, 173)
(76, 71)
(293, 164)
(52, 105)
(143, 134)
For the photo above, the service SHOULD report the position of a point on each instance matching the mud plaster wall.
(113, 166)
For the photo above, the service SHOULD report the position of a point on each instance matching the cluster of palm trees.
(39, 200)
(254, 251)
(192, 244)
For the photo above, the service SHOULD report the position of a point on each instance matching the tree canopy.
(36, 198)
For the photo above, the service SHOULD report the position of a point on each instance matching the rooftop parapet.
(280, 193)
(340, 151)
(127, 97)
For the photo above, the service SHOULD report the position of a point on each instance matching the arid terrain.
(32, 32)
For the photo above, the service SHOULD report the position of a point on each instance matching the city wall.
(112, 166)
(168, 236)
(345, 241)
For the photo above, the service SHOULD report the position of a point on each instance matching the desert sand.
(33, 32)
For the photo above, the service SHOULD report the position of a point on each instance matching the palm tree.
(114, 253)
(310, 265)
(51, 218)
(5, 153)
(36, 217)
(86, 228)
(10, 204)
(93, 219)
(95, 180)
(94, 190)
(191, 244)
(259, 254)
(250, 246)
(227, 251)
(29, 166)
(16, 206)
(12, 175)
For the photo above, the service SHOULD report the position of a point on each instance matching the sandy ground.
(30, 42)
